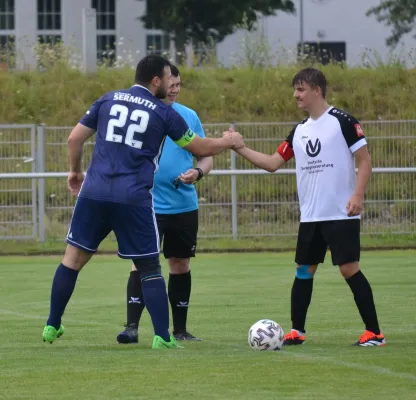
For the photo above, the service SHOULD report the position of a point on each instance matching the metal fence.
(236, 200)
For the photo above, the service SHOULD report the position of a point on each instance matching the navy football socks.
(156, 300)
(62, 287)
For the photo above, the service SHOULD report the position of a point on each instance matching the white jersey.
(325, 165)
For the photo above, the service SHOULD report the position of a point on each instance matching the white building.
(338, 25)
(96, 27)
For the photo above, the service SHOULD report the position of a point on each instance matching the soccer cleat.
(129, 335)
(293, 338)
(186, 336)
(159, 343)
(50, 333)
(369, 338)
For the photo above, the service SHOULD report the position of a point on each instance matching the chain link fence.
(243, 205)
(18, 205)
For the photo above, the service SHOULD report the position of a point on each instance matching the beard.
(161, 92)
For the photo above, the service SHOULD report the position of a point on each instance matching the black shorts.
(342, 237)
(178, 233)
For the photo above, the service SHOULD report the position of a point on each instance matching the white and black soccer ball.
(265, 335)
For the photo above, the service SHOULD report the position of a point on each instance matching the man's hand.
(238, 142)
(75, 180)
(355, 205)
(189, 176)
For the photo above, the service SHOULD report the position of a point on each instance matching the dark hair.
(313, 77)
(174, 70)
(149, 67)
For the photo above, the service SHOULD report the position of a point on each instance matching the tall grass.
(58, 93)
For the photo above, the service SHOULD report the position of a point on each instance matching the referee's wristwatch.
(200, 174)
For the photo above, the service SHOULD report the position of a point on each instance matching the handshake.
(236, 138)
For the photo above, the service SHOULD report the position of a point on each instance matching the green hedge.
(60, 95)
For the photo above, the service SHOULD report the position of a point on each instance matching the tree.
(400, 14)
(207, 20)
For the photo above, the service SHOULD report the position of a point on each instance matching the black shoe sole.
(187, 339)
(293, 343)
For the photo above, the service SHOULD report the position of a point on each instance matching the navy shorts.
(135, 227)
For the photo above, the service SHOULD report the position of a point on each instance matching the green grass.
(230, 292)
(59, 95)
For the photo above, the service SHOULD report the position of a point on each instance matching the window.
(324, 52)
(49, 39)
(158, 44)
(106, 45)
(106, 30)
(49, 15)
(6, 15)
(106, 14)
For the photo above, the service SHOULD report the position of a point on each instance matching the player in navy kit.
(176, 209)
(116, 194)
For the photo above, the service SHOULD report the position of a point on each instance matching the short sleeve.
(177, 128)
(289, 139)
(90, 119)
(352, 132)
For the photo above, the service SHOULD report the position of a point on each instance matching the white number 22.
(122, 113)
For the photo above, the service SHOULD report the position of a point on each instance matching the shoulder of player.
(299, 125)
(342, 116)
(181, 108)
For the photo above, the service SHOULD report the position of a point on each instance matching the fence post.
(234, 208)
(40, 167)
(33, 182)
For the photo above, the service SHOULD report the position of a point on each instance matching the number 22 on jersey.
(121, 113)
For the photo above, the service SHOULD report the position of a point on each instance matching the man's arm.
(193, 175)
(206, 164)
(178, 130)
(210, 147)
(267, 162)
(79, 135)
(355, 204)
(365, 170)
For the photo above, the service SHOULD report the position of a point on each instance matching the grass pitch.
(230, 292)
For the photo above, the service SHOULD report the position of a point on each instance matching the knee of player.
(178, 265)
(148, 267)
(349, 269)
(305, 271)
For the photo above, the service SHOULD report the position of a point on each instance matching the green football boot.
(159, 343)
(50, 334)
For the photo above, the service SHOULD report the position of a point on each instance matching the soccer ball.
(265, 335)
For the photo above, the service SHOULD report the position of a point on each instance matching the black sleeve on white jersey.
(289, 139)
(350, 127)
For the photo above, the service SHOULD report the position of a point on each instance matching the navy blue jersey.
(131, 127)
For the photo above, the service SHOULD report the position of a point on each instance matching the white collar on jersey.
(140, 86)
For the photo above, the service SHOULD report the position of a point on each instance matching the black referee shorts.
(178, 234)
(342, 237)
